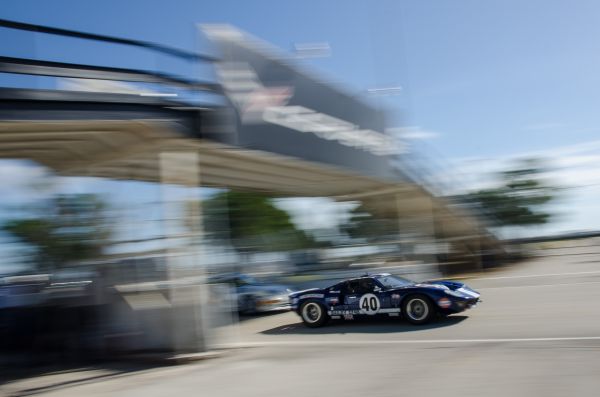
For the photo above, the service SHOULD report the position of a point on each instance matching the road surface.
(537, 333)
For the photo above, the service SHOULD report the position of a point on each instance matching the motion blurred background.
(169, 172)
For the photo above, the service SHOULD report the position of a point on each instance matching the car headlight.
(454, 293)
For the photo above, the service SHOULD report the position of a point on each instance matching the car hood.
(453, 285)
(441, 284)
(458, 289)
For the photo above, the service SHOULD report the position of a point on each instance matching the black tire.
(313, 314)
(418, 309)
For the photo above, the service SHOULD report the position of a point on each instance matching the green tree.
(520, 198)
(251, 222)
(363, 224)
(63, 229)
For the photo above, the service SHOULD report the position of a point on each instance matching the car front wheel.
(418, 309)
(313, 314)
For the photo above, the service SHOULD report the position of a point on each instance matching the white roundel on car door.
(369, 304)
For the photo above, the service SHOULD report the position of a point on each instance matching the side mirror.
(377, 289)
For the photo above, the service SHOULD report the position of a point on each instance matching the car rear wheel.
(418, 309)
(313, 314)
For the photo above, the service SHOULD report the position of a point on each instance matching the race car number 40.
(369, 304)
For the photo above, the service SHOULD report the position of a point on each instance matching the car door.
(351, 294)
(372, 297)
(364, 296)
(345, 301)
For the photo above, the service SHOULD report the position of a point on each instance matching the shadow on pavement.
(374, 326)
(246, 317)
(58, 376)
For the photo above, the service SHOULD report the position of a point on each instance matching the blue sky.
(484, 72)
(483, 81)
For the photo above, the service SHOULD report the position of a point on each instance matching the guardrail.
(139, 78)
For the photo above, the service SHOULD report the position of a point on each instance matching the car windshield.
(393, 281)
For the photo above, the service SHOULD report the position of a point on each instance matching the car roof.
(374, 275)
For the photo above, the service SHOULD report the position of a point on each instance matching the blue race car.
(382, 295)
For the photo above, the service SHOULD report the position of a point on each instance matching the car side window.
(366, 285)
(350, 287)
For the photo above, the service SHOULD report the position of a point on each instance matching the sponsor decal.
(348, 317)
(369, 304)
(307, 296)
(395, 296)
(342, 312)
(334, 292)
(334, 300)
(247, 92)
(351, 299)
(444, 303)
(324, 126)
(257, 103)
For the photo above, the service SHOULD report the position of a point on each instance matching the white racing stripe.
(469, 293)
(362, 313)
(389, 310)
(408, 342)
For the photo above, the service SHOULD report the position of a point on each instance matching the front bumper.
(458, 306)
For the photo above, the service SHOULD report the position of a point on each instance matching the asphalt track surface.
(537, 333)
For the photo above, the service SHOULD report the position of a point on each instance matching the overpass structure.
(263, 123)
